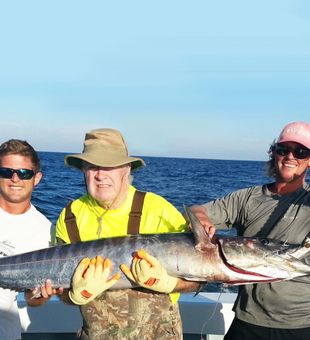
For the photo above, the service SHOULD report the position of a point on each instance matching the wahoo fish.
(192, 256)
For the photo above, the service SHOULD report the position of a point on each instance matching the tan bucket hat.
(106, 148)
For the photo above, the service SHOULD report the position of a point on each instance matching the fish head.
(253, 246)
(270, 258)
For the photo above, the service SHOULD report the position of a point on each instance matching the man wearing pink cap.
(278, 210)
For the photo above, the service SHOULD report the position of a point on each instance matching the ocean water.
(179, 180)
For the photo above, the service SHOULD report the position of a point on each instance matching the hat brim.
(295, 140)
(109, 161)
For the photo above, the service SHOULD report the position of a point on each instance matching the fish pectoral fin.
(194, 279)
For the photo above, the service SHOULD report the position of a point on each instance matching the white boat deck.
(207, 314)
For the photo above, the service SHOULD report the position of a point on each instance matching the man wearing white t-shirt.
(22, 227)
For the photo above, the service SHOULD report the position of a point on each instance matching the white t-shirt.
(19, 234)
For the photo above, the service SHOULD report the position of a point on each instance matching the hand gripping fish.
(192, 256)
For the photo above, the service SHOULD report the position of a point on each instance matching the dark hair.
(23, 148)
(271, 169)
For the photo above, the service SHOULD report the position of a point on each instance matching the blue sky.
(199, 78)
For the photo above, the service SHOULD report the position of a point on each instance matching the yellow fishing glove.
(147, 272)
(90, 279)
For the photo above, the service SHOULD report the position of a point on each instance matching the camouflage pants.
(131, 315)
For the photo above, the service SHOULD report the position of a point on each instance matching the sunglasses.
(21, 173)
(298, 152)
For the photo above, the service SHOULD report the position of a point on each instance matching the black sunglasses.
(21, 173)
(298, 152)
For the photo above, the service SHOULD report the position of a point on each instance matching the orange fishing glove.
(90, 279)
(147, 272)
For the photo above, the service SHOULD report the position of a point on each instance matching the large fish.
(192, 256)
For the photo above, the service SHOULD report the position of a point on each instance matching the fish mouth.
(249, 276)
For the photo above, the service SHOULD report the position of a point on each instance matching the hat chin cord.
(100, 221)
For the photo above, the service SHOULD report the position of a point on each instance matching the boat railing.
(206, 314)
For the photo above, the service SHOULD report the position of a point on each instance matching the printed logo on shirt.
(6, 248)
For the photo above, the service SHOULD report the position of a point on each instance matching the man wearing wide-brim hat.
(106, 211)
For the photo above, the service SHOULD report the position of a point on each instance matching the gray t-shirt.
(257, 212)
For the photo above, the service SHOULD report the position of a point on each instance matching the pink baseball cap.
(298, 132)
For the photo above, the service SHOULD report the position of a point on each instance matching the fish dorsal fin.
(202, 239)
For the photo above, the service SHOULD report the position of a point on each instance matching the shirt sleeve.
(160, 216)
(230, 210)
(61, 229)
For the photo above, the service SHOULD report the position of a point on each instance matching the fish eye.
(265, 242)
